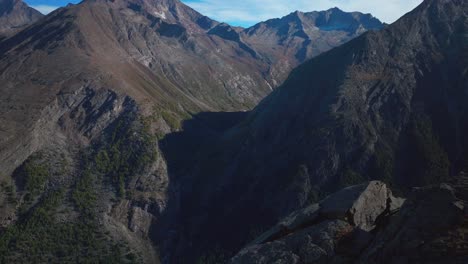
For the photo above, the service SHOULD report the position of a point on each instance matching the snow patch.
(160, 14)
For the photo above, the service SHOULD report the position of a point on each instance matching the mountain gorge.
(141, 131)
(388, 106)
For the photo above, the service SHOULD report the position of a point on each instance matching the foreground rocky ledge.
(367, 224)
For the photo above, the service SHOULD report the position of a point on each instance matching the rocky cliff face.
(430, 226)
(389, 105)
(16, 15)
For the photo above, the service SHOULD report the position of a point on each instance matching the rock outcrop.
(430, 226)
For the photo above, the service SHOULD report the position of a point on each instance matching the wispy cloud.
(248, 12)
(44, 9)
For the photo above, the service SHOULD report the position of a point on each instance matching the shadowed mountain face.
(16, 15)
(88, 95)
(389, 105)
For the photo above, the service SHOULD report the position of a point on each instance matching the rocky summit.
(141, 131)
(16, 15)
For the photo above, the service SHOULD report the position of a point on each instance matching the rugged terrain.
(16, 15)
(119, 141)
(389, 105)
(287, 42)
(88, 97)
(367, 224)
(162, 54)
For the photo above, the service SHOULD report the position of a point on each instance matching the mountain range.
(388, 106)
(163, 54)
(141, 131)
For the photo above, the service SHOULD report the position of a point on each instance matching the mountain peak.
(335, 9)
(8, 5)
(15, 15)
(170, 11)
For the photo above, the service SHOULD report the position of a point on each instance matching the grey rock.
(140, 221)
(361, 204)
(315, 244)
(429, 228)
(314, 233)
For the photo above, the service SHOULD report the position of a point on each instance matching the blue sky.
(249, 12)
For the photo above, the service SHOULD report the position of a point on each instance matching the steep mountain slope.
(389, 105)
(286, 42)
(88, 93)
(16, 15)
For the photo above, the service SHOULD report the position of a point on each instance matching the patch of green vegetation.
(172, 120)
(102, 161)
(36, 176)
(172, 115)
(48, 231)
(128, 152)
(40, 238)
(10, 191)
(84, 195)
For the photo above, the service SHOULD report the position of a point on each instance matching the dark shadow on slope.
(182, 150)
(204, 129)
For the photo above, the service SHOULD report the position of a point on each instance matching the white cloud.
(44, 9)
(248, 12)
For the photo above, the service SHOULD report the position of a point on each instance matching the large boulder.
(366, 224)
(431, 227)
(361, 205)
(340, 223)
